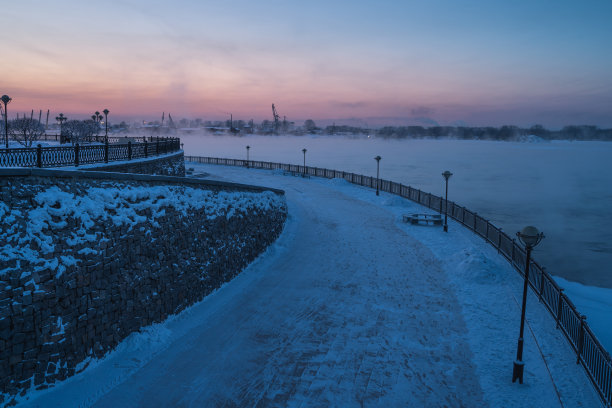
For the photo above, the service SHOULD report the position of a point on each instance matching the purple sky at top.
(474, 62)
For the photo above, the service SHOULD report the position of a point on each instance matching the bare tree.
(26, 130)
(310, 125)
(79, 131)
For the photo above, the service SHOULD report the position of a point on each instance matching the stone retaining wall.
(90, 260)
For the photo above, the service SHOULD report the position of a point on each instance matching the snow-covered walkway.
(350, 307)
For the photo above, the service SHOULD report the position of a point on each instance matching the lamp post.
(304, 151)
(6, 100)
(447, 174)
(530, 237)
(106, 112)
(377, 158)
(61, 119)
(248, 148)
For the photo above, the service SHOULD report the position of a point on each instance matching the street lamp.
(106, 112)
(304, 151)
(248, 148)
(377, 158)
(61, 119)
(6, 100)
(530, 237)
(447, 174)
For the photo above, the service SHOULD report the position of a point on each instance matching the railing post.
(463, 216)
(76, 155)
(559, 307)
(541, 283)
(487, 233)
(157, 146)
(146, 148)
(129, 150)
(499, 235)
(39, 156)
(106, 151)
(475, 218)
(581, 338)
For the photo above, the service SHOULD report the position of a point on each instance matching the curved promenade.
(350, 307)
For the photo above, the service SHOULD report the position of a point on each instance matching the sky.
(470, 62)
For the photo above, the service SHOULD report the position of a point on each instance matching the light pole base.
(517, 372)
(445, 228)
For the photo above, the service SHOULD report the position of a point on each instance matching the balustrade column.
(39, 156)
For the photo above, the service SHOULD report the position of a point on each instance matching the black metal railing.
(59, 156)
(589, 351)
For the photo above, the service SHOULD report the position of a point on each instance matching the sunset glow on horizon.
(475, 62)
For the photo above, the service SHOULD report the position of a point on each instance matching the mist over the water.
(563, 188)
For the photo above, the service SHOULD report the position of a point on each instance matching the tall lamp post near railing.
(530, 237)
(61, 119)
(377, 158)
(304, 151)
(248, 148)
(447, 174)
(6, 100)
(106, 112)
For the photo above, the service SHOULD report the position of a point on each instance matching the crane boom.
(276, 118)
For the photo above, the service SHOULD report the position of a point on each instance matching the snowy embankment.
(350, 307)
(28, 233)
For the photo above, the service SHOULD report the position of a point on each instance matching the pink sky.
(476, 63)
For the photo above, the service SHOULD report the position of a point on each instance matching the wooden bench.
(426, 219)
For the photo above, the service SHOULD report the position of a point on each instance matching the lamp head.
(377, 158)
(106, 111)
(304, 150)
(6, 99)
(530, 236)
(447, 174)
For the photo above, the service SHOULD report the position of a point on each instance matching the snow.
(350, 307)
(122, 205)
(595, 303)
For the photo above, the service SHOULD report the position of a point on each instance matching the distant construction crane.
(171, 124)
(276, 119)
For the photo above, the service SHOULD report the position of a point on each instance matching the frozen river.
(563, 188)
